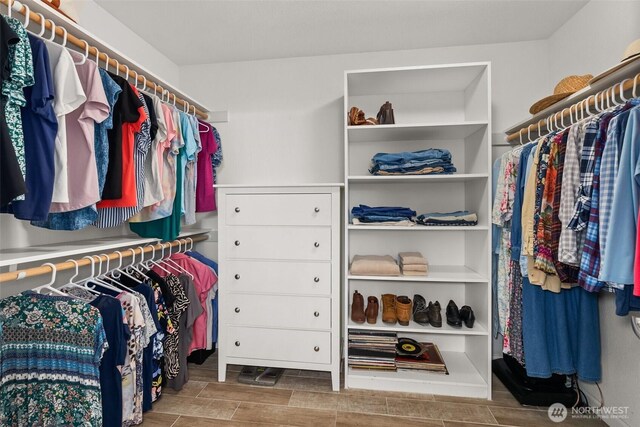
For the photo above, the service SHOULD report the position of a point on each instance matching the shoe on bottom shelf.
(453, 315)
(372, 310)
(357, 308)
(467, 316)
(420, 311)
(403, 310)
(435, 315)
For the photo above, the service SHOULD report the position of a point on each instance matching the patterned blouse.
(21, 65)
(51, 348)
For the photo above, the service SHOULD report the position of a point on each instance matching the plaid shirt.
(587, 165)
(568, 244)
(566, 273)
(590, 261)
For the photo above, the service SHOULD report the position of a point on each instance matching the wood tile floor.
(305, 398)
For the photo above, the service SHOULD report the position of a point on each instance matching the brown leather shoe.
(403, 310)
(389, 309)
(372, 310)
(357, 308)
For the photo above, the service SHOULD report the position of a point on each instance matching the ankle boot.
(435, 315)
(420, 313)
(389, 309)
(403, 310)
(357, 308)
(453, 315)
(467, 316)
(372, 310)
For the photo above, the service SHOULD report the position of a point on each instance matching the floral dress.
(132, 370)
(51, 348)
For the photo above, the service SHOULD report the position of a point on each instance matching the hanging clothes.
(42, 338)
(13, 183)
(205, 193)
(40, 128)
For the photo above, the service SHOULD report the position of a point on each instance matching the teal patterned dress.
(21, 65)
(50, 349)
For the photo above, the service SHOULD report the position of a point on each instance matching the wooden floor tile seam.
(174, 423)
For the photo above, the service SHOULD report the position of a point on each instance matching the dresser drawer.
(277, 311)
(278, 209)
(271, 242)
(279, 345)
(278, 277)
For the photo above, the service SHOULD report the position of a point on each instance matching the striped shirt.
(113, 217)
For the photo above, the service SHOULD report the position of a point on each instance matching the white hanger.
(119, 270)
(86, 54)
(43, 22)
(64, 37)
(126, 75)
(71, 284)
(53, 31)
(134, 267)
(520, 134)
(175, 265)
(144, 87)
(152, 260)
(49, 286)
(190, 240)
(114, 286)
(27, 15)
(635, 85)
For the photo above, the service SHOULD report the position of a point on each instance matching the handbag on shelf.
(385, 115)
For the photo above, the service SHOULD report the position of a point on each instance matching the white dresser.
(279, 282)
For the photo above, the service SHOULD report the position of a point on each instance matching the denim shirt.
(516, 219)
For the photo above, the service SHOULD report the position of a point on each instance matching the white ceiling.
(208, 31)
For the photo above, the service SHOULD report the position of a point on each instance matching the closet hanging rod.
(94, 52)
(67, 265)
(584, 104)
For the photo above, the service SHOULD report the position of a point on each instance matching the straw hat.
(631, 54)
(567, 86)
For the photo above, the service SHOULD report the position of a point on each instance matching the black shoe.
(420, 313)
(435, 317)
(467, 316)
(453, 315)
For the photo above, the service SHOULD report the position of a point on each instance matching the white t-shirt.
(153, 193)
(69, 96)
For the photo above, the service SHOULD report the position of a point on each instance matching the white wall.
(286, 115)
(592, 41)
(105, 26)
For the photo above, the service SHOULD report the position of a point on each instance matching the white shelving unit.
(444, 106)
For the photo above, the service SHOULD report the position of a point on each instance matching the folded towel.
(411, 258)
(414, 273)
(374, 265)
(413, 267)
(402, 223)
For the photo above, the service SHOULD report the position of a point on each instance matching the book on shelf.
(430, 360)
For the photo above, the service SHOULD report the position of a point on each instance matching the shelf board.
(15, 256)
(414, 132)
(463, 379)
(460, 177)
(437, 273)
(415, 328)
(417, 228)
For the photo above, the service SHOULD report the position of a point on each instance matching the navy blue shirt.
(40, 128)
(110, 377)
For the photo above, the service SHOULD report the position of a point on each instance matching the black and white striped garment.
(113, 217)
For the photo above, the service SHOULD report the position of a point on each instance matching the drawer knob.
(237, 276)
(316, 279)
(316, 244)
(317, 314)
(237, 243)
(237, 343)
(316, 348)
(237, 210)
(237, 310)
(316, 210)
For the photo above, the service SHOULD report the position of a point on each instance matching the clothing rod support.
(584, 106)
(94, 52)
(68, 265)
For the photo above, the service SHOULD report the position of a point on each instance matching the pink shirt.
(203, 279)
(82, 170)
(205, 193)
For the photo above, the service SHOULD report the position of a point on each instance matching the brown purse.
(385, 115)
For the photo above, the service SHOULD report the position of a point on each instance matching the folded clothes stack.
(382, 215)
(462, 218)
(413, 264)
(374, 265)
(423, 162)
